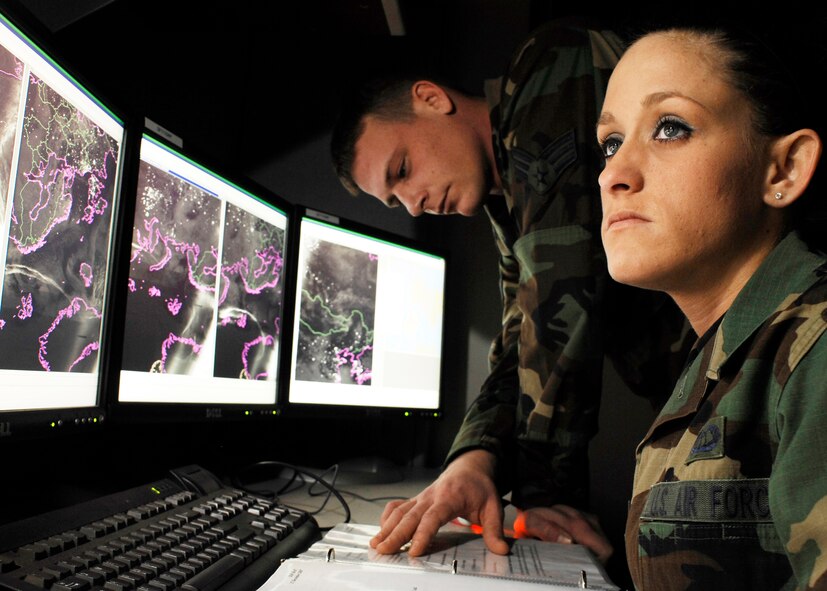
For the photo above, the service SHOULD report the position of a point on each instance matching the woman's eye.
(403, 171)
(610, 146)
(672, 129)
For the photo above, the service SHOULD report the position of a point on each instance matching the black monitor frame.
(314, 410)
(132, 412)
(30, 424)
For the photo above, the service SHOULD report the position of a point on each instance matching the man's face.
(431, 163)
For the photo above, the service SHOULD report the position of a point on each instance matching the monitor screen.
(60, 159)
(368, 319)
(204, 300)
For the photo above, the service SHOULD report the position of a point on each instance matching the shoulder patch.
(541, 171)
(710, 441)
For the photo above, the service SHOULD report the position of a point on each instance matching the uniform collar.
(787, 272)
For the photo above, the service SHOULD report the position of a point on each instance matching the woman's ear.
(429, 97)
(793, 161)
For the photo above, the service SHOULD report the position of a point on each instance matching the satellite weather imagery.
(249, 305)
(172, 321)
(172, 274)
(338, 303)
(60, 214)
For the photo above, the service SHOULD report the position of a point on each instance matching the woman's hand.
(564, 524)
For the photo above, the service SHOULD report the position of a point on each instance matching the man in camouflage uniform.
(538, 408)
(731, 485)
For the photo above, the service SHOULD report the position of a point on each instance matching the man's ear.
(429, 97)
(793, 161)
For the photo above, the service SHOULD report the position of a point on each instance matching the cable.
(371, 499)
(315, 477)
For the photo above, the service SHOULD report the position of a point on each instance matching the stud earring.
(778, 196)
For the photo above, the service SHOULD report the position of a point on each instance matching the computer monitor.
(368, 321)
(60, 164)
(204, 296)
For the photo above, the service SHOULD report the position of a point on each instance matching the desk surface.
(366, 501)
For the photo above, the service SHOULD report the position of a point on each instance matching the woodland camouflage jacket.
(562, 313)
(731, 481)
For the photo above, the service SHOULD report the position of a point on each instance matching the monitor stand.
(368, 470)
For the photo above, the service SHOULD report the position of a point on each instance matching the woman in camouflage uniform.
(709, 151)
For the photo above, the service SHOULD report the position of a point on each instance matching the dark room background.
(254, 86)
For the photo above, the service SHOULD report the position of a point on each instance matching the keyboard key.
(155, 567)
(205, 558)
(242, 534)
(174, 578)
(199, 543)
(114, 523)
(180, 555)
(145, 552)
(119, 585)
(147, 534)
(93, 531)
(40, 579)
(196, 563)
(55, 544)
(245, 553)
(179, 574)
(60, 572)
(187, 568)
(72, 584)
(121, 545)
(70, 566)
(133, 557)
(108, 550)
(33, 552)
(116, 565)
(139, 575)
(108, 573)
(7, 563)
(95, 577)
(73, 539)
(140, 513)
(162, 585)
(86, 560)
(129, 581)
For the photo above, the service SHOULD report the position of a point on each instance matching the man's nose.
(414, 202)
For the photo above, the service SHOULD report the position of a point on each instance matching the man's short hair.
(384, 98)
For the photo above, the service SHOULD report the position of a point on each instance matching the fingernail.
(564, 539)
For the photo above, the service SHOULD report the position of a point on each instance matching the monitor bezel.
(306, 410)
(42, 423)
(132, 412)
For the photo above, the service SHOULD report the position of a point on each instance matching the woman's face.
(684, 179)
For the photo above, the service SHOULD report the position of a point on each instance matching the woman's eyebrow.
(605, 118)
(658, 97)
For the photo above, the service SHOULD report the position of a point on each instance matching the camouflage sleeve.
(538, 409)
(489, 422)
(798, 483)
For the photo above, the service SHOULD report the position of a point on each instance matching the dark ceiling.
(246, 80)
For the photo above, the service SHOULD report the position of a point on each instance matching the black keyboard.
(188, 532)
